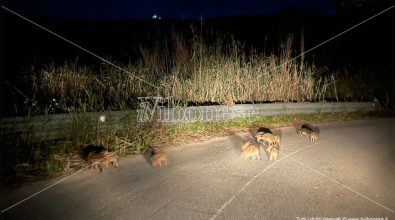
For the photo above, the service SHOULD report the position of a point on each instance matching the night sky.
(97, 25)
(120, 9)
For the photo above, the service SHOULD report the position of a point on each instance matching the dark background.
(113, 32)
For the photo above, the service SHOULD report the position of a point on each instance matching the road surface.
(349, 172)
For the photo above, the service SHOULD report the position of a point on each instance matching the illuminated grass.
(189, 132)
(233, 75)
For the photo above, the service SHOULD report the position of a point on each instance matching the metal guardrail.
(220, 112)
(50, 127)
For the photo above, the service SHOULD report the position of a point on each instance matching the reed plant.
(191, 72)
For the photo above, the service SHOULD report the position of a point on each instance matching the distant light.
(156, 17)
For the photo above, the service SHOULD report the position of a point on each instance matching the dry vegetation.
(194, 74)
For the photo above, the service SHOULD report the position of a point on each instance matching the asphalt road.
(349, 172)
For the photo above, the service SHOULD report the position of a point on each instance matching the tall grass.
(81, 89)
(215, 75)
(190, 72)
